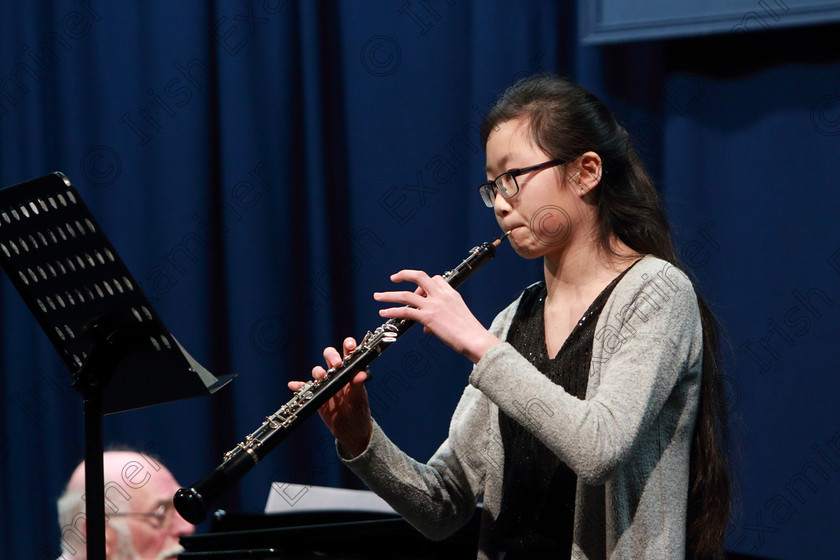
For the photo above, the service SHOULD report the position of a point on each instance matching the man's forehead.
(144, 488)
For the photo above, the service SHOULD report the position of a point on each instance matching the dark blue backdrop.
(263, 166)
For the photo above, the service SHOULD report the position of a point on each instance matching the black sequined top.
(538, 494)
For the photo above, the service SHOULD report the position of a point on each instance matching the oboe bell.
(193, 502)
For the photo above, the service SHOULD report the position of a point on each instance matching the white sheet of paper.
(285, 497)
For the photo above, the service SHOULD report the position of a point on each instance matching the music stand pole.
(94, 478)
(90, 381)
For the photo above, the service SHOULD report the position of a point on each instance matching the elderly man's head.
(141, 521)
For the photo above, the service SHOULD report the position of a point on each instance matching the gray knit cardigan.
(628, 441)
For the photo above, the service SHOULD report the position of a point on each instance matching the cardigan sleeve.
(439, 496)
(631, 378)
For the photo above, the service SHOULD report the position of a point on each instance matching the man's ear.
(110, 538)
(110, 541)
(588, 172)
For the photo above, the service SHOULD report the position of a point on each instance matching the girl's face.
(541, 215)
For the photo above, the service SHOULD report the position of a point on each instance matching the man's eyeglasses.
(506, 182)
(157, 519)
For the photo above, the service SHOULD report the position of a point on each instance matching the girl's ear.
(587, 174)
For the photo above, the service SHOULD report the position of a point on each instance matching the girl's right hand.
(347, 413)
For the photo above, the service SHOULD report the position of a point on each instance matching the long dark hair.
(565, 121)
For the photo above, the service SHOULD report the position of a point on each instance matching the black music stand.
(95, 314)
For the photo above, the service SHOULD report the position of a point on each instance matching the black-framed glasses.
(506, 182)
(157, 519)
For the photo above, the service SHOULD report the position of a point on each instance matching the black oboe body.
(193, 502)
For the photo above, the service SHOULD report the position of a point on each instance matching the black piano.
(330, 535)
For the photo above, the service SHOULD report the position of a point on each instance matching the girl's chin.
(528, 247)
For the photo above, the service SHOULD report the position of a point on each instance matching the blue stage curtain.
(264, 166)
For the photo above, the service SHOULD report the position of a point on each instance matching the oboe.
(192, 502)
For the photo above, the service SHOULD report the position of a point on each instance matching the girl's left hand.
(441, 310)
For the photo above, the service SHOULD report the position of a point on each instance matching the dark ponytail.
(566, 121)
